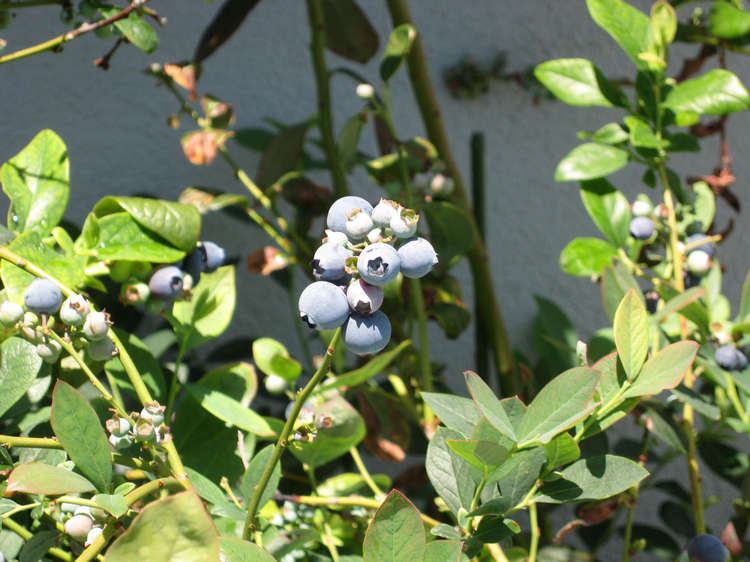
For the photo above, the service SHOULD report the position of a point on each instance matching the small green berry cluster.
(146, 427)
(83, 523)
(306, 427)
(82, 327)
(356, 260)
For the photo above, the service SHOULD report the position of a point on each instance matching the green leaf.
(608, 208)
(562, 450)
(177, 223)
(664, 427)
(177, 528)
(37, 181)
(663, 22)
(81, 434)
(593, 478)
(349, 483)
(29, 246)
(265, 350)
(281, 155)
(456, 412)
(485, 456)
(689, 396)
(562, 402)
(205, 488)
(715, 93)
(678, 303)
(584, 257)
(37, 546)
(453, 318)
(728, 21)
(40, 478)
(348, 31)
(495, 529)
(352, 378)
(631, 333)
(489, 405)
(254, 473)
(229, 410)
(209, 311)
(147, 365)
(237, 550)
(627, 25)
(443, 551)
(347, 431)
(744, 311)
(19, 366)
(115, 504)
(642, 135)
(616, 282)
(451, 232)
(555, 337)
(135, 29)
(228, 19)
(664, 370)
(682, 142)
(449, 473)
(398, 48)
(611, 133)
(591, 161)
(705, 204)
(349, 138)
(396, 532)
(695, 311)
(121, 237)
(577, 82)
(527, 468)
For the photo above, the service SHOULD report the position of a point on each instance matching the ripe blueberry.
(96, 326)
(323, 306)
(74, 310)
(363, 297)
(366, 334)
(195, 263)
(42, 297)
(728, 358)
(378, 264)
(706, 548)
(166, 283)
(329, 262)
(417, 257)
(641, 228)
(336, 219)
(215, 256)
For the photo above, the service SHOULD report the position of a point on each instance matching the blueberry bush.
(123, 448)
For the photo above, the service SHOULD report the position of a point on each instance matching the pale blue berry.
(101, 350)
(78, 527)
(96, 326)
(336, 219)
(329, 262)
(358, 224)
(166, 283)
(49, 351)
(366, 334)
(384, 212)
(404, 225)
(215, 256)
(74, 310)
(378, 264)
(641, 228)
(363, 297)
(699, 263)
(10, 314)
(323, 306)
(42, 297)
(417, 257)
(706, 548)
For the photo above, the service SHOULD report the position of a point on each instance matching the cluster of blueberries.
(141, 284)
(356, 260)
(698, 256)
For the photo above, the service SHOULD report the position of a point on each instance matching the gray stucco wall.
(114, 126)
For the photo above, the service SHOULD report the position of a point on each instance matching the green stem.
(628, 533)
(77, 501)
(154, 487)
(21, 508)
(379, 495)
(490, 315)
(534, 522)
(67, 346)
(634, 491)
(735, 399)
(325, 119)
(57, 41)
(25, 534)
(281, 444)
(481, 341)
(30, 442)
(29, 4)
(116, 395)
(174, 388)
(327, 533)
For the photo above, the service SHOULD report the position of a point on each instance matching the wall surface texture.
(114, 124)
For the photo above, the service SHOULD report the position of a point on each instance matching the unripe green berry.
(78, 527)
(120, 271)
(120, 443)
(154, 412)
(5, 18)
(96, 326)
(275, 385)
(92, 536)
(118, 427)
(102, 350)
(49, 351)
(142, 269)
(134, 292)
(10, 313)
(104, 32)
(74, 310)
(155, 306)
(87, 9)
(144, 430)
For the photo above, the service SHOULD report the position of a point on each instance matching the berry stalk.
(302, 396)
